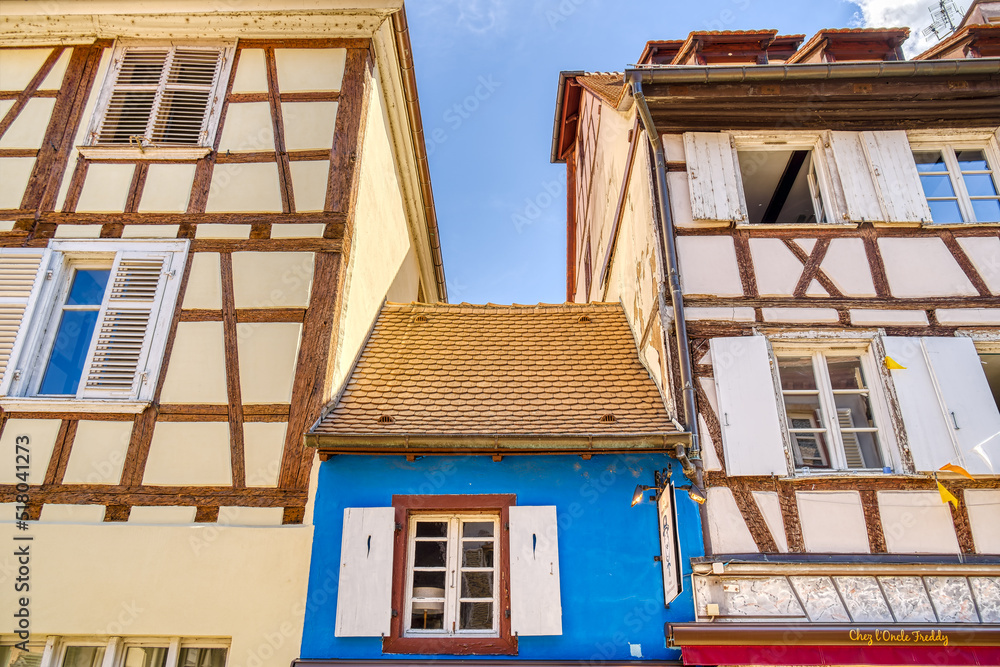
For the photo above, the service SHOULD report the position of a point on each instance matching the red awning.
(842, 655)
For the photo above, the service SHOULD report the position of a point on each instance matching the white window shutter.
(136, 310)
(948, 410)
(860, 194)
(21, 276)
(748, 409)
(895, 174)
(364, 594)
(185, 102)
(133, 96)
(713, 179)
(536, 608)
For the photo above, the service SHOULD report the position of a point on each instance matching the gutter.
(450, 443)
(405, 53)
(689, 457)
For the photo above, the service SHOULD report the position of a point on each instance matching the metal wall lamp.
(661, 479)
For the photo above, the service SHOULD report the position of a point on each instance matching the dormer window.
(165, 96)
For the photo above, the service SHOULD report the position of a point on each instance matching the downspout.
(689, 457)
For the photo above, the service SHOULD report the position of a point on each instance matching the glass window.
(452, 578)
(991, 366)
(830, 421)
(959, 184)
(191, 656)
(145, 656)
(83, 656)
(12, 656)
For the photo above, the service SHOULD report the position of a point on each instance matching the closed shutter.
(748, 408)
(136, 309)
(948, 410)
(364, 593)
(713, 179)
(891, 162)
(163, 96)
(536, 608)
(20, 282)
(860, 195)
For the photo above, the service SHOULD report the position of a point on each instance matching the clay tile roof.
(497, 372)
(895, 35)
(985, 37)
(606, 85)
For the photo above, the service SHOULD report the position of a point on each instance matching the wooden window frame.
(877, 399)
(948, 145)
(406, 506)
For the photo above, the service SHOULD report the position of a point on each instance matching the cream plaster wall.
(54, 79)
(98, 452)
(923, 267)
(263, 443)
(105, 189)
(245, 188)
(381, 240)
(406, 286)
(78, 231)
(251, 72)
(41, 434)
(168, 188)
(52, 513)
(309, 180)
(19, 66)
(708, 266)
(159, 515)
(308, 124)
(189, 453)
(984, 517)
(197, 369)
(28, 129)
(247, 127)
(832, 521)
(251, 516)
(149, 231)
(14, 174)
(222, 230)
(204, 285)
(728, 531)
(917, 522)
(267, 355)
(301, 70)
(272, 279)
(295, 230)
(259, 604)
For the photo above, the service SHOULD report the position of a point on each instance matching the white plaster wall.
(381, 240)
(832, 521)
(776, 268)
(923, 267)
(770, 508)
(846, 264)
(727, 530)
(41, 434)
(984, 518)
(917, 522)
(984, 251)
(135, 579)
(189, 453)
(708, 266)
(197, 369)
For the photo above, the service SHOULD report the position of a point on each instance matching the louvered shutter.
(895, 174)
(535, 606)
(136, 308)
(713, 180)
(364, 591)
(751, 429)
(20, 282)
(860, 194)
(163, 96)
(852, 446)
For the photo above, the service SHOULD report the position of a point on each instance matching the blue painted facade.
(611, 588)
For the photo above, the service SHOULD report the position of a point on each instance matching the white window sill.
(807, 474)
(145, 153)
(794, 225)
(56, 404)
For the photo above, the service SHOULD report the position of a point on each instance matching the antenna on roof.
(944, 19)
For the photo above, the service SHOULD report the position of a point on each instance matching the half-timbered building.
(202, 209)
(804, 236)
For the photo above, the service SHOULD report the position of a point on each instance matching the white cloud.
(892, 13)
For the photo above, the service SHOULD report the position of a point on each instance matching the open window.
(86, 319)
(991, 367)
(782, 186)
(117, 652)
(449, 575)
(168, 96)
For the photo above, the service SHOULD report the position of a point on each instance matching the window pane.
(11, 656)
(937, 185)
(83, 656)
(477, 584)
(796, 373)
(809, 449)
(854, 411)
(945, 211)
(202, 657)
(477, 554)
(430, 554)
(427, 615)
(146, 656)
(69, 352)
(987, 210)
(476, 616)
(980, 185)
(804, 408)
(432, 529)
(972, 160)
(429, 584)
(929, 161)
(88, 287)
(477, 529)
(776, 185)
(845, 372)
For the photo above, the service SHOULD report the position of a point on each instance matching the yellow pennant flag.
(946, 495)
(951, 467)
(893, 365)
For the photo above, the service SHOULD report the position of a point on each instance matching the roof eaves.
(421, 443)
(557, 123)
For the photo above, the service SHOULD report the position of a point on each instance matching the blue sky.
(487, 72)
